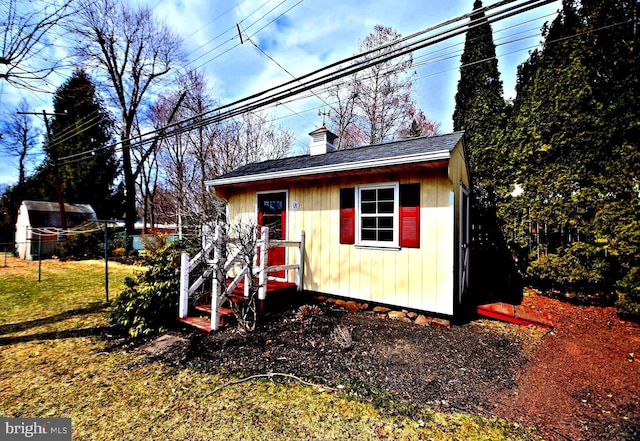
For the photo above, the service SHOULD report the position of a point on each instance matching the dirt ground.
(582, 382)
(579, 381)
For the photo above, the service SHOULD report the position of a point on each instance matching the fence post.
(183, 306)
(106, 264)
(262, 270)
(39, 255)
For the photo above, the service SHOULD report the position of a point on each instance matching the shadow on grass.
(55, 335)
(23, 326)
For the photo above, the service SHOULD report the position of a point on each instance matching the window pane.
(368, 234)
(385, 194)
(385, 222)
(368, 207)
(368, 195)
(368, 222)
(385, 207)
(385, 235)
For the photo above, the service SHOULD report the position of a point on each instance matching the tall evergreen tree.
(82, 124)
(480, 108)
(481, 113)
(573, 138)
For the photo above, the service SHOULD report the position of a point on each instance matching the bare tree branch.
(135, 52)
(18, 138)
(23, 60)
(374, 103)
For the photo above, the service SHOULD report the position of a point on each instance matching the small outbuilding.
(39, 225)
(386, 223)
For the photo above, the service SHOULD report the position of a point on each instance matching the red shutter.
(347, 215)
(410, 227)
(410, 215)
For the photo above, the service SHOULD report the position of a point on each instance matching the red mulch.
(582, 382)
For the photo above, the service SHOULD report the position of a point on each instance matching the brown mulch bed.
(579, 382)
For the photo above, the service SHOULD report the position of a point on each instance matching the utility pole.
(53, 153)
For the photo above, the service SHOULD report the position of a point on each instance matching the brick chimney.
(322, 141)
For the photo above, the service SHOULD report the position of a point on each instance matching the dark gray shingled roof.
(346, 159)
(47, 214)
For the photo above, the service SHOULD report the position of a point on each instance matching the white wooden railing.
(218, 270)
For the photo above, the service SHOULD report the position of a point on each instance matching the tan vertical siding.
(420, 278)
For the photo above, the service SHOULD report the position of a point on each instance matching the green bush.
(579, 267)
(628, 303)
(149, 302)
(82, 246)
(155, 242)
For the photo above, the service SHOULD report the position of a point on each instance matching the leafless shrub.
(342, 336)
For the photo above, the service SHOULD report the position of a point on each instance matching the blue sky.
(304, 35)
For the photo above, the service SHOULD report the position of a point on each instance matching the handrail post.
(218, 279)
(300, 274)
(247, 283)
(183, 307)
(262, 271)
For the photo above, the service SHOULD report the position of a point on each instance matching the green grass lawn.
(53, 363)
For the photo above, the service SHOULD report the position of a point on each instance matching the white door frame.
(286, 224)
(464, 242)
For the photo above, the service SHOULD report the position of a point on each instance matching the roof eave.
(334, 168)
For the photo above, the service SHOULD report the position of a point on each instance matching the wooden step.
(201, 323)
(204, 322)
(236, 298)
(272, 286)
(239, 290)
(277, 285)
(206, 308)
(518, 314)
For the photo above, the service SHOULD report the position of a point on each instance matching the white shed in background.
(43, 215)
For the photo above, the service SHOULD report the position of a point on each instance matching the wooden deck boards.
(515, 314)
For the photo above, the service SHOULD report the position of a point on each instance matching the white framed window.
(377, 215)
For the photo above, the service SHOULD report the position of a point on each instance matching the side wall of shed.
(459, 176)
(23, 235)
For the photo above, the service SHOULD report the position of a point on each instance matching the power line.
(360, 62)
(213, 20)
(234, 37)
(426, 62)
(281, 67)
(230, 29)
(184, 130)
(269, 99)
(271, 58)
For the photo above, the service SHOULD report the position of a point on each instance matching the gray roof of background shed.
(47, 214)
(345, 159)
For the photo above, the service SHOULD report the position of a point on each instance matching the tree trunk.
(130, 214)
